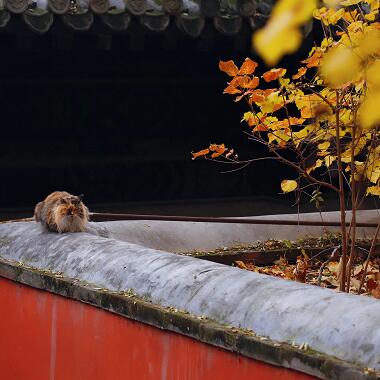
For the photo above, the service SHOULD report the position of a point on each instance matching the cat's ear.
(81, 196)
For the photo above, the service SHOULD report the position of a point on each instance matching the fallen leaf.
(300, 269)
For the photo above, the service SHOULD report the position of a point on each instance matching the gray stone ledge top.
(341, 325)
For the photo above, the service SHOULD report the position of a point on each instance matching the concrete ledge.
(187, 236)
(340, 325)
(241, 341)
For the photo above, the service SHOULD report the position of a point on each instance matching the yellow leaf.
(317, 164)
(229, 68)
(300, 135)
(374, 190)
(281, 136)
(329, 160)
(288, 185)
(272, 103)
(372, 15)
(340, 65)
(324, 145)
(369, 111)
(351, 16)
(328, 16)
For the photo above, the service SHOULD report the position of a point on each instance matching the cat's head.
(71, 212)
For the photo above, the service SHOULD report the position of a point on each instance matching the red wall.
(45, 336)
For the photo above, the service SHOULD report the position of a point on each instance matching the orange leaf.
(216, 147)
(269, 91)
(301, 268)
(314, 60)
(295, 120)
(273, 74)
(232, 90)
(229, 68)
(202, 152)
(261, 128)
(243, 80)
(252, 83)
(306, 112)
(248, 67)
(301, 72)
(257, 96)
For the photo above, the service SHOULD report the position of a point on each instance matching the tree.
(326, 114)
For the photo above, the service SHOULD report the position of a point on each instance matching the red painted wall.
(45, 336)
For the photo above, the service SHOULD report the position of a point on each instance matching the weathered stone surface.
(340, 325)
(187, 236)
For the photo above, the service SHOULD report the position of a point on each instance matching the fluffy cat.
(62, 212)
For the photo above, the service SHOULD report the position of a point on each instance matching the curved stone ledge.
(340, 325)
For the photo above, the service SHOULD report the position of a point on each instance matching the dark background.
(118, 123)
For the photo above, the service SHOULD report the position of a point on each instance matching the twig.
(323, 266)
(369, 258)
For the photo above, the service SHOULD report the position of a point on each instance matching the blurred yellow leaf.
(347, 3)
(281, 34)
(288, 185)
(368, 43)
(340, 65)
(373, 74)
(276, 39)
(369, 111)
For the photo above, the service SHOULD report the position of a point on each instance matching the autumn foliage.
(326, 111)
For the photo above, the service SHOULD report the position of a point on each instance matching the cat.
(62, 212)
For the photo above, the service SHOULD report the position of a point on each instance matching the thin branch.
(369, 258)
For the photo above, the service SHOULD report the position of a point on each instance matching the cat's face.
(70, 207)
(71, 215)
